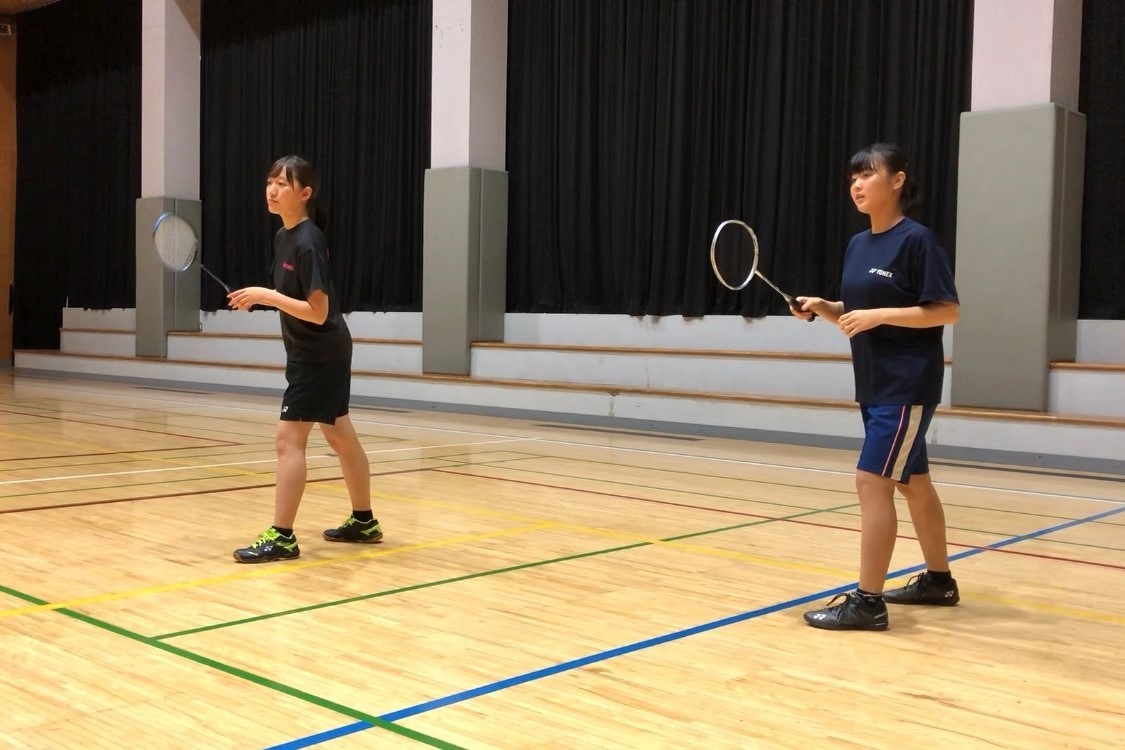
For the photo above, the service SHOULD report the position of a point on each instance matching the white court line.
(646, 451)
(239, 463)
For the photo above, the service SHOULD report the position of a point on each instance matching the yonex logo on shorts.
(881, 272)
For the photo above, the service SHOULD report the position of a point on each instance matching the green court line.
(482, 574)
(243, 674)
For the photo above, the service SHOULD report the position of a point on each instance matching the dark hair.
(879, 155)
(301, 172)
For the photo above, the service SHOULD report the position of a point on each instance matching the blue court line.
(492, 687)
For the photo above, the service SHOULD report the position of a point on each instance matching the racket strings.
(175, 243)
(734, 259)
(734, 255)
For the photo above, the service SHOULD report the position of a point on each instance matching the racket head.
(734, 254)
(175, 241)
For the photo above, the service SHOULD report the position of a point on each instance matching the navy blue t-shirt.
(901, 267)
(300, 267)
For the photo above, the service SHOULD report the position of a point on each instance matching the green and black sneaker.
(269, 546)
(353, 530)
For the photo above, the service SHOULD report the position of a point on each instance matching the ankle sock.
(363, 516)
(871, 600)
(942, 579)
(283, 532)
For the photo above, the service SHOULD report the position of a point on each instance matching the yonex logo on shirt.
(287, 265)
(881, 272)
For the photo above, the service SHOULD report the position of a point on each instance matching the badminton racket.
(177, 245)
(734, 259)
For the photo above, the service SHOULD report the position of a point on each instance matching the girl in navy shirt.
(897, 293)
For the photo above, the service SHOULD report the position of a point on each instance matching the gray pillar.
(465, 230)
(166, 301)
(170, 81)
(465, 237)
(1019, 213)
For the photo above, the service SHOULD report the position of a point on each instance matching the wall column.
(170, 144)
(1019, 204)
(7, 188)
(465, 214)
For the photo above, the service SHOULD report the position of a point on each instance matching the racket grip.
(795, 306)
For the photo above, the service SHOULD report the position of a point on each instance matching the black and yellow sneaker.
(269, 546)
(923, 589)
(353, 530)
(851, 614)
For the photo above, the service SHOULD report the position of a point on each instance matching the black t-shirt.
(300, 267)
(901, 267)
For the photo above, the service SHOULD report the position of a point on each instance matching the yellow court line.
(1073, 612)
(1081, 613)
(262, 572)
(701, 549)
(624, 536)
(470, 510)
(535, 524)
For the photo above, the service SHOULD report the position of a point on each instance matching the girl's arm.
(313, 310)
(827, 309)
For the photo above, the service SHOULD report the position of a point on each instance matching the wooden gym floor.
(540, 586)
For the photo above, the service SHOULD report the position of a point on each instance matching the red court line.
(132, 453)
(168, 495)
(114, 500)
(775, 518)
(214, 443)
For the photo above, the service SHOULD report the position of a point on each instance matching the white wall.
(1026, 52)
(1099, 341)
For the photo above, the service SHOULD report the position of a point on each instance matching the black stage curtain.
(78, 115)
(634, 128)
(347, 86)
(1102, 100)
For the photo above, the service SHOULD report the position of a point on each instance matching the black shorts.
(317, 392)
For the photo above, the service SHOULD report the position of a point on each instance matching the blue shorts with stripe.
(894, 443)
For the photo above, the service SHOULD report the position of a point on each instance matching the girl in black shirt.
(318, 349)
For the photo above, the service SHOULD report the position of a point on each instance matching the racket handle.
(221, 283)
(795, 306)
